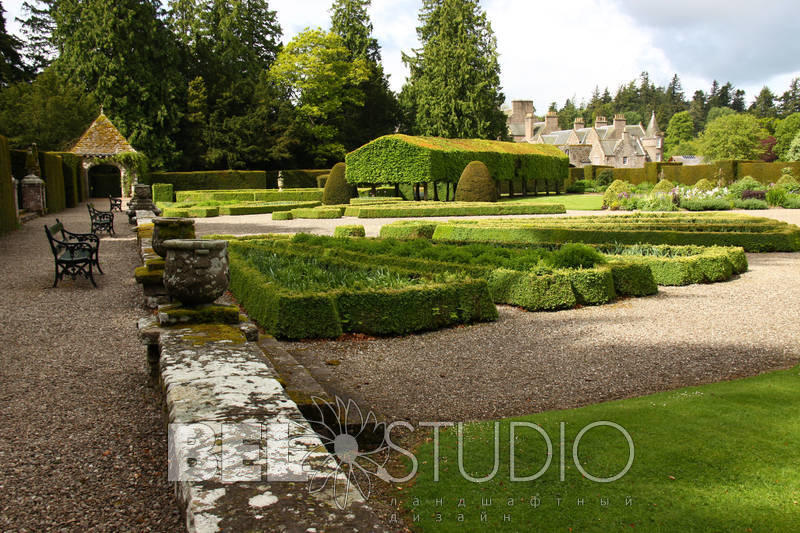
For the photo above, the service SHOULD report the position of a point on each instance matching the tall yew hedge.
(8, 217)
(406, 159)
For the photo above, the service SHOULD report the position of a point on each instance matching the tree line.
(206, 84)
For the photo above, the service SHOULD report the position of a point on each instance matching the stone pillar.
(33, 194)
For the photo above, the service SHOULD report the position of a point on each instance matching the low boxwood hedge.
(752, 234)
(282, 215)
(444, 209)
(318, 212)
(349, 230)
(407, 229)
(287, 314)
(250, 195)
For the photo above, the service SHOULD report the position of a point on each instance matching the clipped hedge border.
(318, 212)
(407, 230)
(459, 210)
(250, 195)
(290, 315)
(778, 240)
(282, 215)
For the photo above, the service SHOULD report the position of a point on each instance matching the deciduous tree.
(736, 136)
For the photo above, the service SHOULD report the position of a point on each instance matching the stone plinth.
(33, 194)
(196, 270)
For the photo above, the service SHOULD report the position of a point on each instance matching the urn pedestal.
(196, 270)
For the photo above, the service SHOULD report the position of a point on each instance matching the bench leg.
(97, 264)
(55, 282)
(91, 277)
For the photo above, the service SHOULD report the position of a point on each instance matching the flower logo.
(357, 450)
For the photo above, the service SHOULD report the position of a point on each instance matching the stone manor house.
(618, 144)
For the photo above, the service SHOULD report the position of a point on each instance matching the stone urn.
(196, 270)
(166, 228)
(142, 201)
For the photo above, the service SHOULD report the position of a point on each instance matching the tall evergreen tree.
(121, 53)
(790, 100)
(12, 68)
(380, 113)
(454, 83)
(37, 28)
(764, 104)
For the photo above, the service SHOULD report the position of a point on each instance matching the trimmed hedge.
(752, 234)
(476, 184)
(318, 212)
(327, 314)
(706, 204)
(375, 200)
(53, 175)
(203, 211)
(282, 215)
(297, 195)
(337, 191)
(407, 159)
(74, 191)
(406, 230)
(446, 209)
(209, 180)
(162, 192)
(349, 231)
(8, 217)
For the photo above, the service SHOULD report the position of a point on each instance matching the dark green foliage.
(122, 53)
(575, 255)
(249, 195)
(162, 192)
(633, 279)
(74, 192)
(605, 177)
(747, 183)
(8, 220)
(706, 204)
(592, 286)
(349, 231)
(476, 184)
(453, 89)
(53, 175)
(337, 190)
(52, 111)
(12, 68)
(549, 292)
(213, 180)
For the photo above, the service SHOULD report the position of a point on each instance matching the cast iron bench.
(101, 220)
(75, 255)
(116, 204)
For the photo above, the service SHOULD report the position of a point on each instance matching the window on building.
(624, 160)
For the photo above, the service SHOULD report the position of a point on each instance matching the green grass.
(573, 202)
(720, 457)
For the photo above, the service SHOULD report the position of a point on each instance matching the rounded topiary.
(611, 196)
(788, 182)
(703, 185)
(476, 184)
(747, 183)
(337, 190)
(663, 186)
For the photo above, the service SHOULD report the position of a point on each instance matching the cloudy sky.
(550, 51)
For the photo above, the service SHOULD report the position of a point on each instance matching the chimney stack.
(529, 126)
(600, 122)
(619, 125)
(579, 124)
(551, 122)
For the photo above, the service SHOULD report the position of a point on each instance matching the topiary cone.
(476, 184)
(337, 190)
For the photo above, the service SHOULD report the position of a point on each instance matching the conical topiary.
(476, 184)
(337, 190)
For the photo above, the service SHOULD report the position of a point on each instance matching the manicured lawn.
(720, 457)
(579, 202)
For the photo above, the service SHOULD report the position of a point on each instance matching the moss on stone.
(200, 314)
(148, 277)
(200, 334)
(155, 264)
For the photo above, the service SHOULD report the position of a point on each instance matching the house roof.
(101, 139)
(652, 127)
(517, 129)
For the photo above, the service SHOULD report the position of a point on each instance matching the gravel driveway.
(82, 439)
(529, 362)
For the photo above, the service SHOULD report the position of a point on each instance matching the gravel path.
(82, 439)
(530, 362)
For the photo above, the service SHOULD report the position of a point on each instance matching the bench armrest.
(82, 237)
